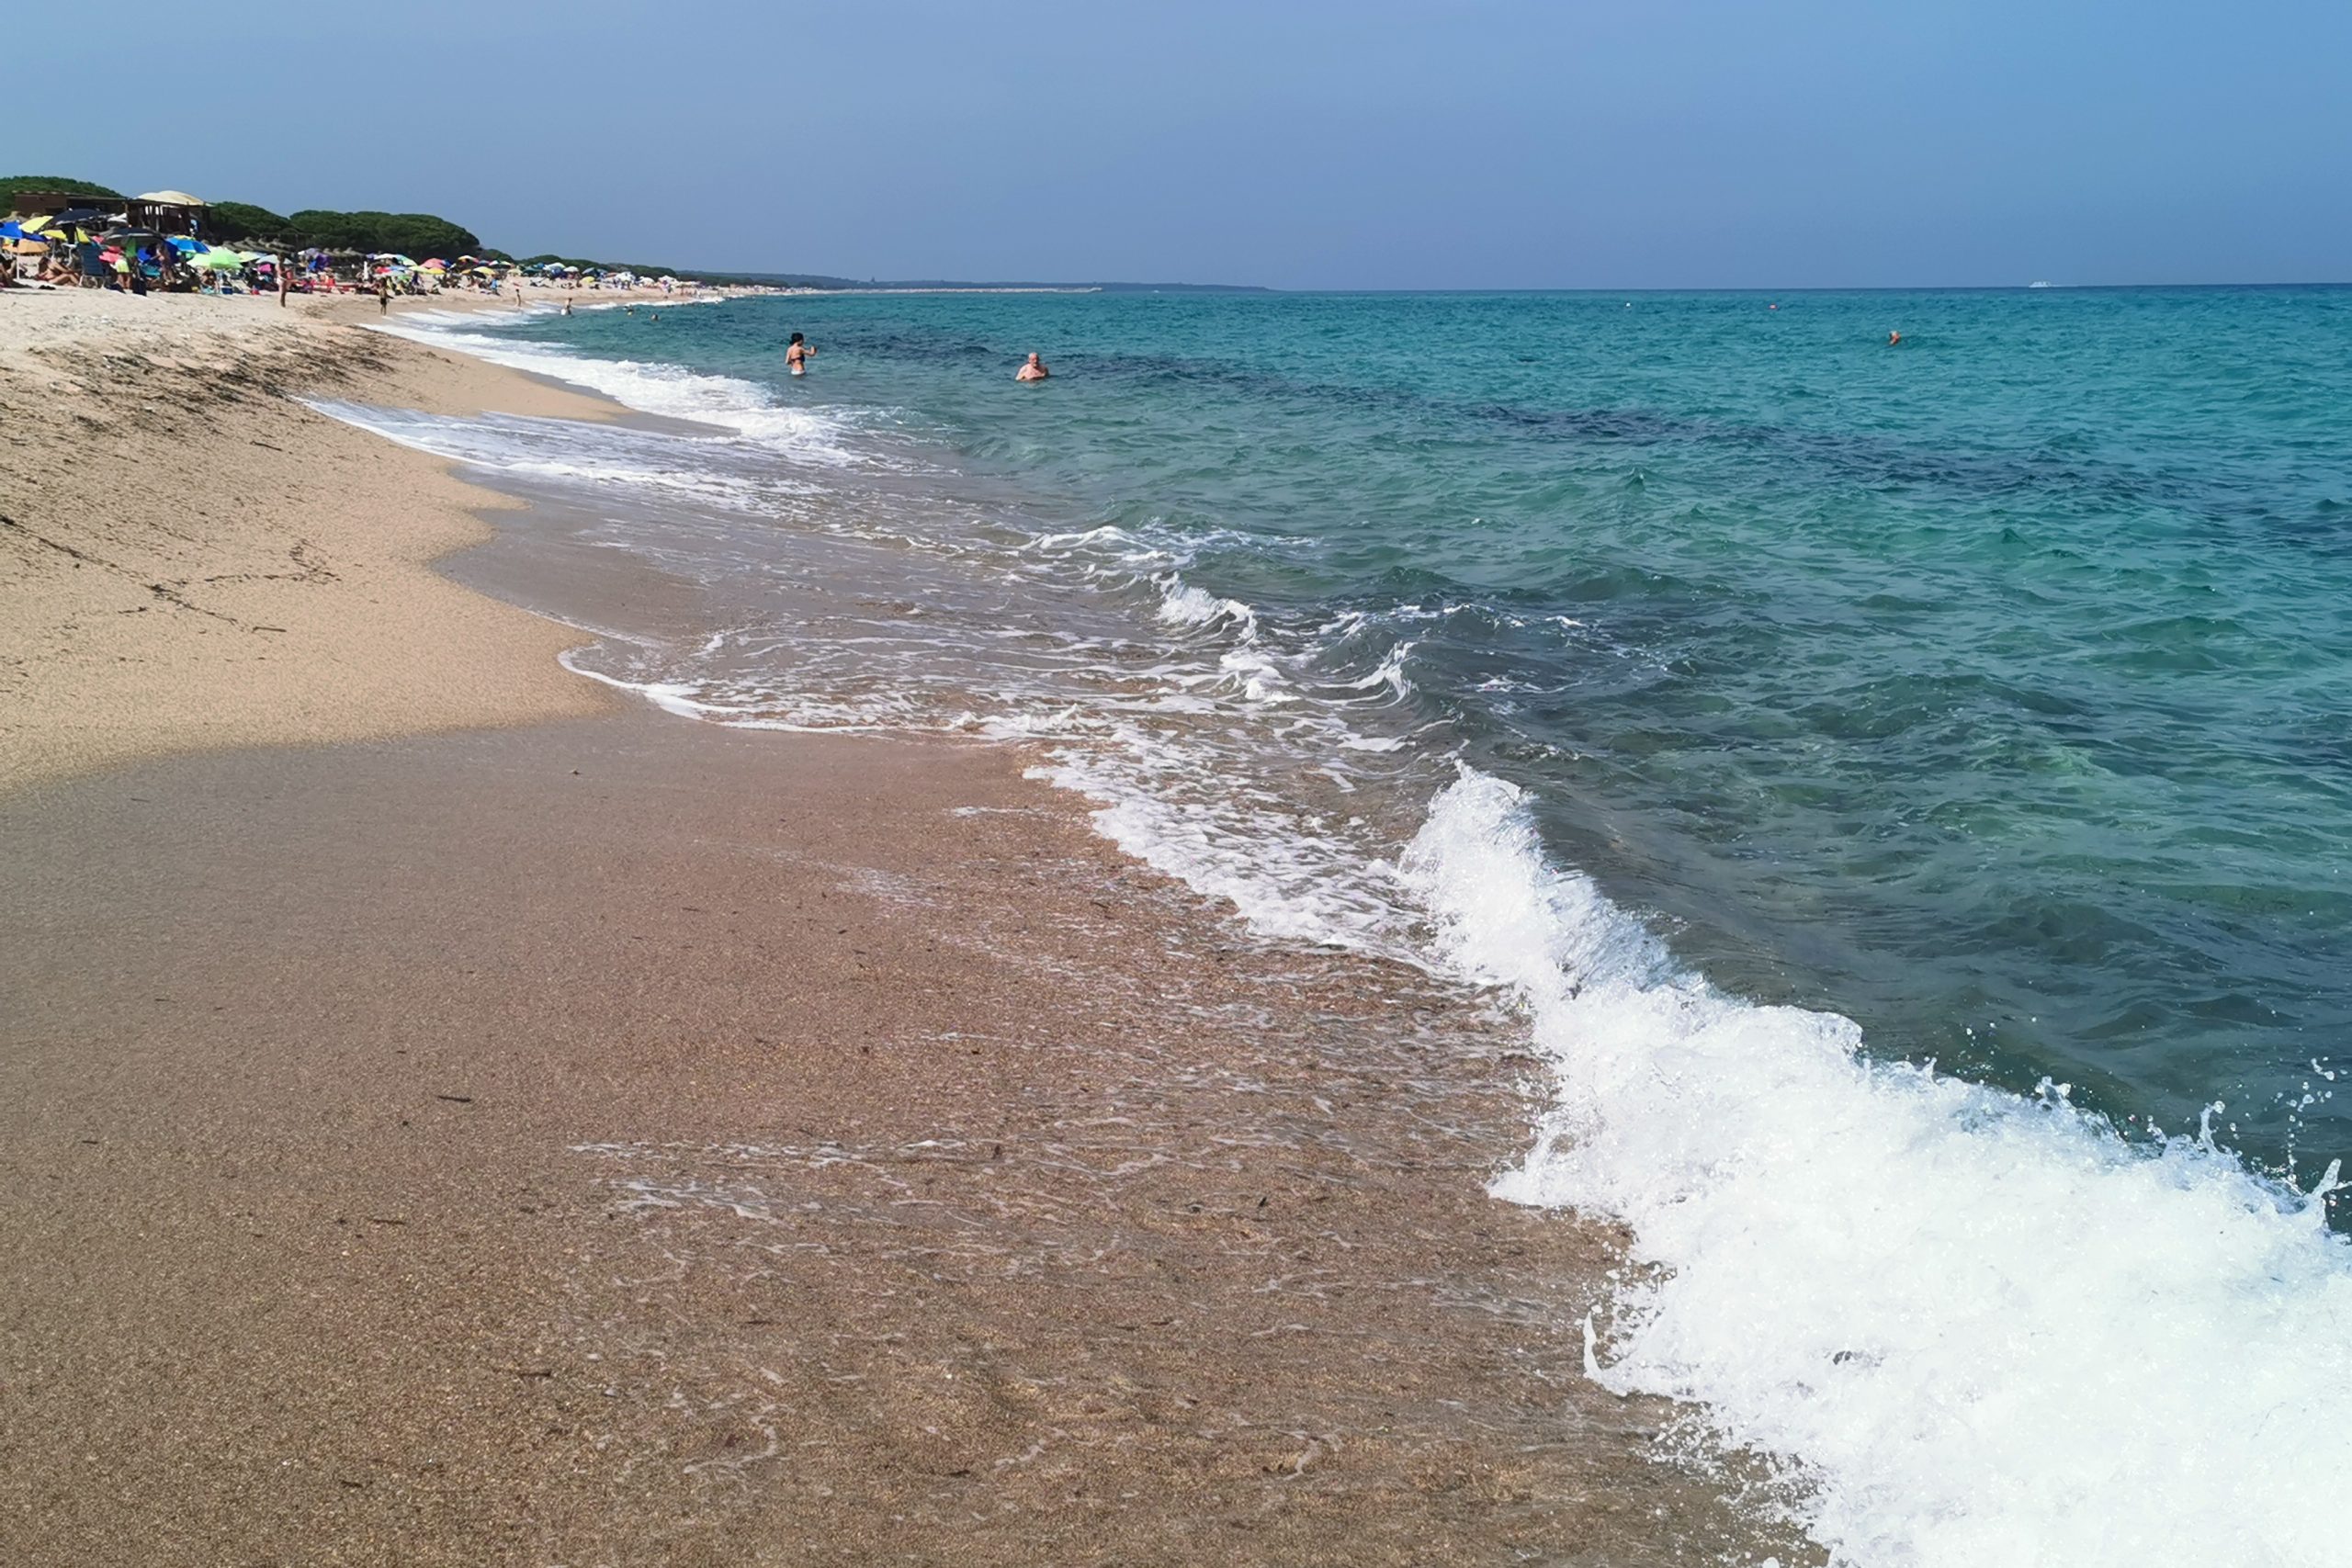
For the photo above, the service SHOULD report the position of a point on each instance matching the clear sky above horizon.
(1376, 144)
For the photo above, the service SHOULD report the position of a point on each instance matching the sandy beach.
(453, 1116)
(192, 558)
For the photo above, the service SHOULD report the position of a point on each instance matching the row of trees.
(232, 223)
(418, 234)
(10, 185)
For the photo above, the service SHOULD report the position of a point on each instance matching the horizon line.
(834, 284)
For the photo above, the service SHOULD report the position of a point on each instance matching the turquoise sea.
(1994, 689)
(1906, 788)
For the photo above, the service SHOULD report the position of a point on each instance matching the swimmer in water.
(1893, 338)
(1034, 371)
(795, 354)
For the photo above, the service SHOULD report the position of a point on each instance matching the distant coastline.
(833, 285)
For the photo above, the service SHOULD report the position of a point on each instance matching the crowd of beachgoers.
(155, 244)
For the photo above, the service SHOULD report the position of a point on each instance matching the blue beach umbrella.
(182, 242)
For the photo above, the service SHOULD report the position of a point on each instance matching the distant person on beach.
(384, 295)
(285, 282)
(795, 354)
(1034, 371)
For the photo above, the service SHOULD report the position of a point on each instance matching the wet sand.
(631, 1140)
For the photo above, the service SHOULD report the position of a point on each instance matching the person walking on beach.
(1034, 371)
(384, 295)
(795, 354)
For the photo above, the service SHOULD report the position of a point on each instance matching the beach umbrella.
(181, 242)
(437, 264)
(172, 198)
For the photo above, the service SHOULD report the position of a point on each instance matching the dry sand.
(626, 1141)
(190, 558)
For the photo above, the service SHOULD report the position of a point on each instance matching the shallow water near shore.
(1898, 790)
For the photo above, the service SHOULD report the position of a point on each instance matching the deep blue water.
(1993, 689)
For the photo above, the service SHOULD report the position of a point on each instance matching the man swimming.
(1034, 371)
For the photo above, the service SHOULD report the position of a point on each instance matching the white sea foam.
(1969, 1327)
(1288, 875)
(1180, 603)
(1984, 1329)
(744, 408)
(569, 452)
(1389, 673)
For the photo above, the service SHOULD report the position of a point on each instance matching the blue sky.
(1475, 143)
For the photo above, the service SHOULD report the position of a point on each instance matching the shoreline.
(644, 1139)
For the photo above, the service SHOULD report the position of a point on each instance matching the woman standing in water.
(795, 354)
